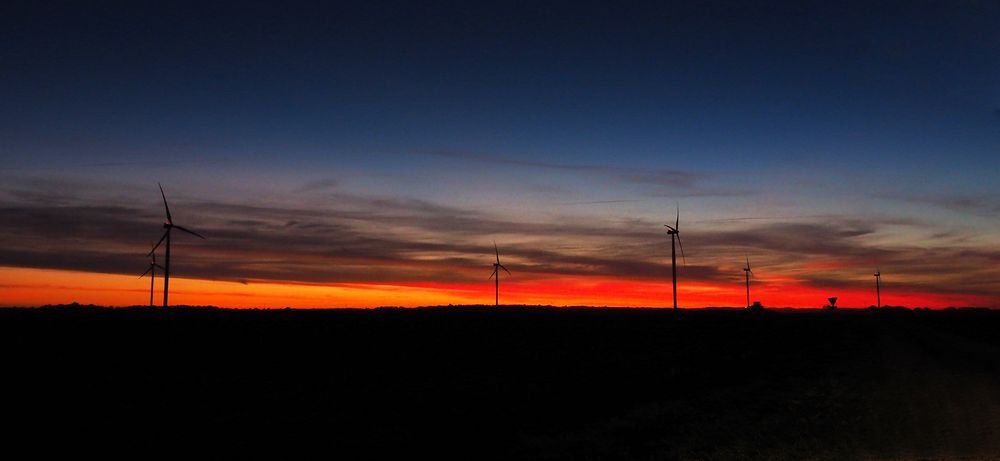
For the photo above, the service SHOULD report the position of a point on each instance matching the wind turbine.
(169, 225)
(675, 239)
(878, 289)
(748, 273)
(496, 272)
(152, 275)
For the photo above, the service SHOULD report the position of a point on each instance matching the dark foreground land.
(510, 383)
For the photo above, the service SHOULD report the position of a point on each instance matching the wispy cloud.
(978, 204)
(678, 183)
(659, 176)
(366, 239)
(604, 202)
(319, 185)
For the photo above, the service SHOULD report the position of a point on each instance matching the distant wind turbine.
(496, 272)
(748, 273)
(152, 274)
(169, 225)
(878, 289)
(675, 239)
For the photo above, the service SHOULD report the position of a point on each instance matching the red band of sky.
(32, 287)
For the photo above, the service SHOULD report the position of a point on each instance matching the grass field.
(509, 383)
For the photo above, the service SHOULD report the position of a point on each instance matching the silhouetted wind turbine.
(748, 273)
(169, 225)
(878, 289)
(496, 272)
(152, 274)
(675, 239)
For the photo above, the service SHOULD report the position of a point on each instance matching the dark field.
(510, 383)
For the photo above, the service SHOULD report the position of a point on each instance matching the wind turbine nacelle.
(166, 225)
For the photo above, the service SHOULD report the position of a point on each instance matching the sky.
(360, 154)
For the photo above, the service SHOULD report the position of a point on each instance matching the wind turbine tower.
(748, 273)
(168, 225)
(878, 288)
(496, 273)
(152, 275)
(675, 240)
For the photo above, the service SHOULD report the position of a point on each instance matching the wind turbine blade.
(497, 251)
(161, 267)
(683, 258)
(505, 270)
(494, 273)
(151, 252)
(189, 231)
(169, 219)
(147, 271)
(677, 221)
(668, 227)
(748, 263)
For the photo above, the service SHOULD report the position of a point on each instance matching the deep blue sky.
(723, 82)
(883, 112)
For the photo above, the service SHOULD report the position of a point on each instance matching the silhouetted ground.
(508, 383)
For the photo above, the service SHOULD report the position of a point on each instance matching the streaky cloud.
(384, 239)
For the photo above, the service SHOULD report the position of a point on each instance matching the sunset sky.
(370, 153)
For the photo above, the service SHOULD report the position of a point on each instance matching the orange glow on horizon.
(34, 287)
